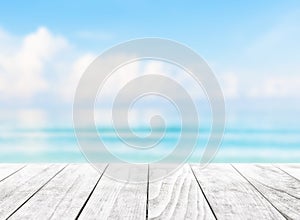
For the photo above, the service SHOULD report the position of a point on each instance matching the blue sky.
(208, 26)
(252, 46)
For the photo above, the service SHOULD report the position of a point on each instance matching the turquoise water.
(238, 145)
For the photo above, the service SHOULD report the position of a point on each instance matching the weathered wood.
(177, 196)
(16, 190)
(282, 190)
(291, 169)
(239, 191)
(7, 170)
(231, 196)
(113, 199)
(63, 197)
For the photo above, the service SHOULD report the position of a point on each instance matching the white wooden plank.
(231, 196)
(282, 190)
(17, 189)
(177, 196)
(113, 199)
(7, 170)
(63, 196)
(291, 169)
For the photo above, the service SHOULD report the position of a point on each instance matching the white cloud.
(230, 85)
(22, 68)
(247, 85)
(45, 63)
(133, 70)
(276, 87)
(68, 82)
(32, 118)
(269, 65)
(23, 117)
(25, 62)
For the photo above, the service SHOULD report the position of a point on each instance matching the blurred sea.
(258, 144)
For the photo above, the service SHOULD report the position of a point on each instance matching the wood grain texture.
(282, 190)
(7, 170)
(291, 169)
(17, 189)
(238, 191)
(62, 197)
(177, 196)
(113, 199)
(231, 196)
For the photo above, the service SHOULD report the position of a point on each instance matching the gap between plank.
(211, 209)
(147, 203)
(37, 191)
(13, 173)
(88, 198)
(286, 172)
(259, 191)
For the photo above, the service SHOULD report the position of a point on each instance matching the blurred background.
(252, 47)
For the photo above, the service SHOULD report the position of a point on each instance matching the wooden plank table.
(218, 191)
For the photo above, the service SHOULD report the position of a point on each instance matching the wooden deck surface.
(220, 191)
